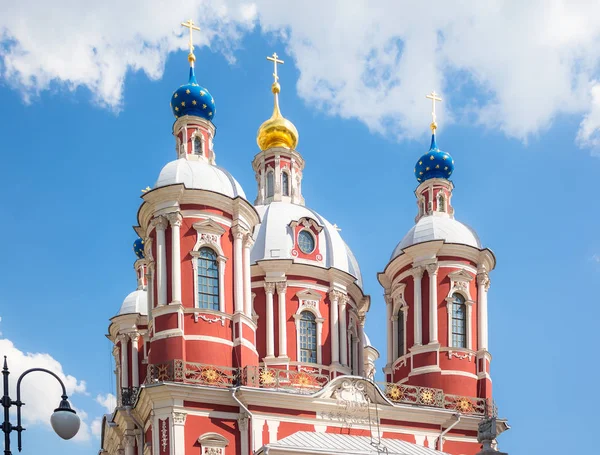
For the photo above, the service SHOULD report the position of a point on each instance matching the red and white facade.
(278, 361)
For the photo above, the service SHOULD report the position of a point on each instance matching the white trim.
(192, 213)
(170, 333)
(459, 373)
(207, 338)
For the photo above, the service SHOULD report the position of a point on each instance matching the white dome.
(199, 175)
(274, 238)
(438, 228)
(136, 302)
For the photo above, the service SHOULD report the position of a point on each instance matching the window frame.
(458, 300)
(314, 241)
(285, 184)
(309, 338)
(203, 289)
(270, 183)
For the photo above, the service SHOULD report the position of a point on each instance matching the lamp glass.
(65, 423)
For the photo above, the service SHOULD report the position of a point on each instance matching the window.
(459, 318)
(197, 145)
(270, 184)
(306, 242)
(441, 203)
(400, 333)
(308, 337)
(285, 184)
(208, 279)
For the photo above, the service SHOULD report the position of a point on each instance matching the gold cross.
(433, 97)
(190, 24)
(275, 61)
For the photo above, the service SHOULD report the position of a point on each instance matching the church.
(246, 333)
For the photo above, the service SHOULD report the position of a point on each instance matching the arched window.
(285, 184)
(306, 242)
(441, 203)
(308, 337)
(459, 322)
(400, 333)
(208, 279)
(197, 145)
(270, 184)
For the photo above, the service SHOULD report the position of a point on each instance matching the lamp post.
(64, 420)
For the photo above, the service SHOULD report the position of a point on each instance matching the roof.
(331, 443)
(199, 175)
(135, 302)
(434, 227)
(274, 238)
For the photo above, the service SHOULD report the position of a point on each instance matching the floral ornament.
(395, 393)
(210, 375)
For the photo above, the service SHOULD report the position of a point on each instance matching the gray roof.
(330, 443)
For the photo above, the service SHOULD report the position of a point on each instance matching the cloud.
(108, 401)
(507, 65)
(96, 427)
(41, 392)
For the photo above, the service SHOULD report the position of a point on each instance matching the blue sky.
(75, 160)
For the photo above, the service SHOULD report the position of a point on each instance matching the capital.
(269, 288)
(281, 286)
(129, 440)
(238, 232)
(335, 295)
(248, 241)
(243, 423)
(175, 218)
(179, 418)
(432, 269)
(417, 272)
(160, 222)
(134, 337)
(483, 279)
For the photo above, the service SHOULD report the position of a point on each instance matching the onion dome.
(435, 164)
(192, 99)
(138, 248)
(277, 131)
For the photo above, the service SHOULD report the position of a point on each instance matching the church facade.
(246, 333)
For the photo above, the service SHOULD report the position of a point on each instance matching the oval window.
(306, 242)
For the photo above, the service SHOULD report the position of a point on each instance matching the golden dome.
(277, 131)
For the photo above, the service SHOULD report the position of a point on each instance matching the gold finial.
(277, 131)
(190, 25)
(433, 97)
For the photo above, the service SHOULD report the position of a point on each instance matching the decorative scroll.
(304, 382)
(210, 320)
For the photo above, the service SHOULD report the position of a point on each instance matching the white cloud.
(524, 62)
(40, 392)
(108, 401)
(96, 427)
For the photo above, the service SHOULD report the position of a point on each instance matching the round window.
(306, 242)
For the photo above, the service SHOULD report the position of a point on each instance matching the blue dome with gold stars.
(138, 248)
(192, 99)
(435, 164)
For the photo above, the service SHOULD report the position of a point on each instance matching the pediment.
(308, 294)
(460, 275)
(209, 226)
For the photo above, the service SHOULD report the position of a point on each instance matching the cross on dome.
(191, 26)
(433, 97)
(275, 61)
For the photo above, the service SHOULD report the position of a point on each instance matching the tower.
(307, 287)
(435, 288)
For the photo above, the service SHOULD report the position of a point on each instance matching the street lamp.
(65, 421)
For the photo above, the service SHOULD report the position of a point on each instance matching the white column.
(432, 270)
(343, 331)
(334, 297)
(124, 361)
(281, 288)
(238, 270)
(361, 345)
(161, 260)
(135, 377)
(269, 290)
(320, 322)
(394, 337)
(115, 353)
(248, 242)
(129, 441)
(483, 283)
(150, 291)
(178, 433)
(243, 427)
(277, 179)
(221, 283)
(175, 220)
(418, 321)
(356, 356)
(390, 329)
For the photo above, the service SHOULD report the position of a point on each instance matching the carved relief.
(269, 288)
(179, 418)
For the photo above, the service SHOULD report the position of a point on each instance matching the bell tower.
(435, 287)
